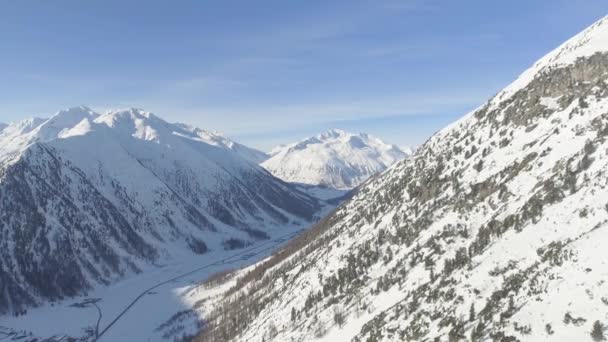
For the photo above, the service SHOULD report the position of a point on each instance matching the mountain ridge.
(492, 230)
(335, 159)
(88, 198)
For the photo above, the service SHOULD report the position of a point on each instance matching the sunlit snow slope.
(86, 199)
(334, 159)
(494, 230)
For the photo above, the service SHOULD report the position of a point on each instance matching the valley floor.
(78, 317)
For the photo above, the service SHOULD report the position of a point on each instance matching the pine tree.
(358, 303)
(477, 332)
(293, 314)
(379, 285)
(511, 308)
(472, 312)
(339, 318)
(597, 334)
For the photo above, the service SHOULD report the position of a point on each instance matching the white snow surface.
(546, 179)
(219, 140)
(152, 317)
(168, 185)
(522, 202)
(334, 159)
(76, 121)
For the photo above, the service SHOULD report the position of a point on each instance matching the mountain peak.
(77, 110)
(590, 41)
(135, 122)
(335, 159)
(53, 127)
(130, 112)
(133, 186)
(332, 133)
(69, 117)
(22, 127)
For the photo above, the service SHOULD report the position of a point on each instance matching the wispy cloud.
(241, 120)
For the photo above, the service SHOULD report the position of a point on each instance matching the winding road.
(241, 255)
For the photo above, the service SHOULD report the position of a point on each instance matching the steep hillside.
(334, 159)
(86, 199)
(494, 229)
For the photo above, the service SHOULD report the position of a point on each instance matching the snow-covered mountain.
(86, 199)
(217, 139)
(408, 150)
(495, 229)
(334, 159)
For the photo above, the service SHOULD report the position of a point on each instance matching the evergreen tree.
(379, 284)
(511, 308)
(597, 334)
(358, 303)
(339, 318)
(477, 332)
(472, 312)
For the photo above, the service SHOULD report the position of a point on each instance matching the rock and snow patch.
(592, 40)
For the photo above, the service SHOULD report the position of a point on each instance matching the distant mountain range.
(334, 159)
(87, 198)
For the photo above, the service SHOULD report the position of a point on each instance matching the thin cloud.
(243, 120)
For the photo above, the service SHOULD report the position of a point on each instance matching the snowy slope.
(334, 159)
(217, 139)
(494, 230)
(87, 199)
(408, 150)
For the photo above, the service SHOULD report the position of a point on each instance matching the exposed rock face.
(493, 230)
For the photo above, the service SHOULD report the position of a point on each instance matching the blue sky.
(269, 72)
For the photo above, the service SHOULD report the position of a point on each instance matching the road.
(243, 254)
